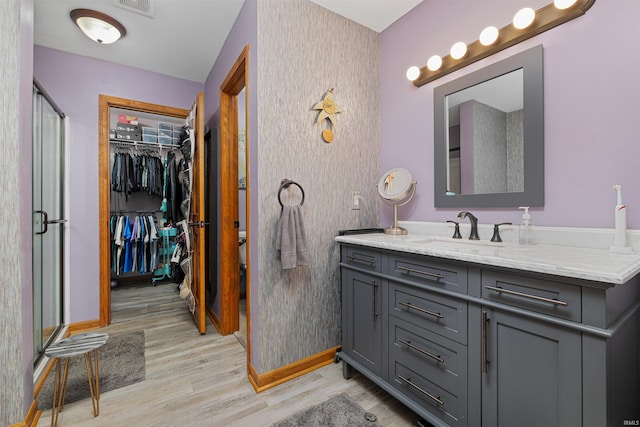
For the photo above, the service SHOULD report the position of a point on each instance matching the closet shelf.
(143, 143)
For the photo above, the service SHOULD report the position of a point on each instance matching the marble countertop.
(593, 264)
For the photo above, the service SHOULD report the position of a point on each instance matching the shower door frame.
(48, 220)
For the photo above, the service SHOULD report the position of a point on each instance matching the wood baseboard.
(32, 417)
(43, 377)
(262, 382)
(87, 325)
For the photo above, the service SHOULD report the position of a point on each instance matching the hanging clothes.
(135, 239)
(119, 242)
(126, 236)
(135, 173)
(153, 244)
(135, 243)
(173, 192)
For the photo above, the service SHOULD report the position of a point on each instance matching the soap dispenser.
(526, 228)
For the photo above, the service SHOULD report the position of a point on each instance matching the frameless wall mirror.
(489, 136)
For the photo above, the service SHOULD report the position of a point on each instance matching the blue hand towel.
(291, 239)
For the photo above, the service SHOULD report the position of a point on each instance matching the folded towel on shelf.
(291, 239)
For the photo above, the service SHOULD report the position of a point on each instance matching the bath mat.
(121, 363)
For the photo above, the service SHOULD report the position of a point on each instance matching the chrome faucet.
(474, 224)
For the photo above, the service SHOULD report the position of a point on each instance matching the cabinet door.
(362, 317)
(531, 372)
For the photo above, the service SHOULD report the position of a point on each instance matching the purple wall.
(74, 82)
(591, 87)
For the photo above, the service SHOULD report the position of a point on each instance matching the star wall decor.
(328, 110)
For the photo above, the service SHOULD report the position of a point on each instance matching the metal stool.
(76, 345)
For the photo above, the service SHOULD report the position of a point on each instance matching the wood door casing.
(105, 103)
(236, 80)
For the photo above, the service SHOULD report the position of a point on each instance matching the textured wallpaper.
(489, 149)
(515, 151)
(497, 142)
(304, 51)
(11, 392)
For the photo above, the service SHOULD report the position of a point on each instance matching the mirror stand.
(395, 230)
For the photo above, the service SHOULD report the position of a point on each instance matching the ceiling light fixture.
(547, 17)
(97, 26)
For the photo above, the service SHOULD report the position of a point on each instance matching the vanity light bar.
(546, 17)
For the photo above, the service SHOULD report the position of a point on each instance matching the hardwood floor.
(201, 380)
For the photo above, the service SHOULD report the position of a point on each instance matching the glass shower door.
(48, 220)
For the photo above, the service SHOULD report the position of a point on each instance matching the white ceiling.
(185, 37)
(374, 14)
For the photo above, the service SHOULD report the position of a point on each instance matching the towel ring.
(284, 184)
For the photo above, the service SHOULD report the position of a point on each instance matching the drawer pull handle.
(521, 294)
(426, 273)
(358, 259)
(485, 358)
(425, 352)
(422, 310)
(374, 287)
(429, 395)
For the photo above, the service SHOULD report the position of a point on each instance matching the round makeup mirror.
(396, 188)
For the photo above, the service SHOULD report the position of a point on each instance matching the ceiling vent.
(143, 7)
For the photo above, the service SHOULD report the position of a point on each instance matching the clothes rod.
(144, 211)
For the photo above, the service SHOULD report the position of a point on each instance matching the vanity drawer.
(542, 296)
(441, 360)
(450, 406)
(428, 271)
(443, 315)
(369, 259)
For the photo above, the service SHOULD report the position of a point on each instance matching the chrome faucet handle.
(496, 231)
(456, 233)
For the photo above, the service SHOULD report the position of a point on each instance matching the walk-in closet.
(149, 200)
(147, 195)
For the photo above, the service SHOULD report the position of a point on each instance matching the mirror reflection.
(489, 135)
(485, 137)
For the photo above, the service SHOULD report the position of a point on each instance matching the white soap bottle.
(526, 228)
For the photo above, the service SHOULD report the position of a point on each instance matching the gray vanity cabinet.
(468, 344)
(531, 372)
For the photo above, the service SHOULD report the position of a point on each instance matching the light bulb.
(564, 4)
(488, 36)
(524, 18)
(458, 50)
(434, 63)
(413, 73)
